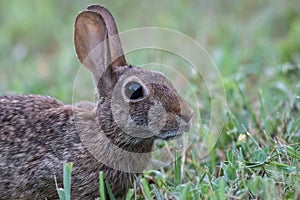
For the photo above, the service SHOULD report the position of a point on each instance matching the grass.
(257, 50)
(65, 192)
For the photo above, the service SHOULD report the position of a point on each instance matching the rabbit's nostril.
(186, 113)
(187, 117)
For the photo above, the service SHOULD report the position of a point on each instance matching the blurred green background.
(253, 37)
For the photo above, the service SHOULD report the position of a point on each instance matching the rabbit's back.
(30, 135)
(32, 119)
(37, 134)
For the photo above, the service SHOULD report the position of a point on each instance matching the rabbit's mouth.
(174, 134)
(170, 135)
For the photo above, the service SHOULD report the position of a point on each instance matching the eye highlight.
(134, 90)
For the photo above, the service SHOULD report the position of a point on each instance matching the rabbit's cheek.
(157, 118)
(139, 112)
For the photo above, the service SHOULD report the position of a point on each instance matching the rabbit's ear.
(115, 46)
(91, 46)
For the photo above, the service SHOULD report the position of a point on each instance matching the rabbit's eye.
(134, 91)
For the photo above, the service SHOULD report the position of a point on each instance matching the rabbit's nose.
(186, 113)
(187, 117)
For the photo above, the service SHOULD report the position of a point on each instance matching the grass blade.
(67, 179)
(129, 194)
(146, 189)
(157, 195)
(61, 194)
(177, 170)
(101, 186)
(109, 191)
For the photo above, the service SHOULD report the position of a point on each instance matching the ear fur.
(115, 46)
(98, 46)
(91, 46)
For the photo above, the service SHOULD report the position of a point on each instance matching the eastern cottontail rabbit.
(115, 135)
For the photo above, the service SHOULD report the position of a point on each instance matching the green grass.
(65, 192)
(256, 47)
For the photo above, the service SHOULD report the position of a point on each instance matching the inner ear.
(99, 48)
(115, 45)
(91, 44)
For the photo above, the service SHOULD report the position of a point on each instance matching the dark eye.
(134, 91)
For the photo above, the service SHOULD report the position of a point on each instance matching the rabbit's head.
(142, 103)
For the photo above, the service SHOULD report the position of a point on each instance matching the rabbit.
(115, 135)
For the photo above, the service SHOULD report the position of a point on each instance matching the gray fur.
(37, 136)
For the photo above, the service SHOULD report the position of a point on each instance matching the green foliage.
(104, 188)
(177, 168)
(146, 189)
(290, 44)
(65, 193)
(109, 191)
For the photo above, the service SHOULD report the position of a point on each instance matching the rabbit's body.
(115, 135)
(37, 135)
